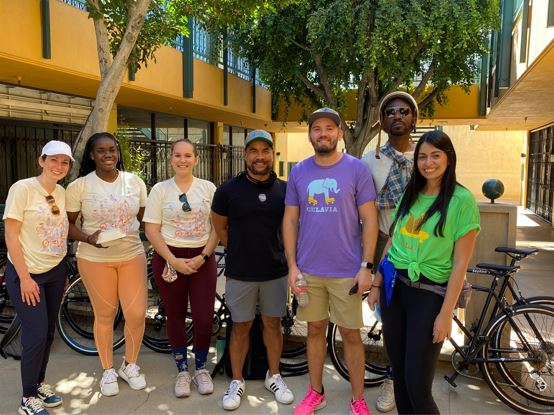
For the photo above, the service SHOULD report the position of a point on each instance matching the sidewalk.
(76, 377)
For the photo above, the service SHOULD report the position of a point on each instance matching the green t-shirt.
(421, 252)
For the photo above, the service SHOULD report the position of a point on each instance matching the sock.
(200, 357)
(180, 356)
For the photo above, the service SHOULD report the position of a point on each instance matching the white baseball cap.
(55, 147)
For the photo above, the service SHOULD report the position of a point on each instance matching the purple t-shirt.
(329, 234)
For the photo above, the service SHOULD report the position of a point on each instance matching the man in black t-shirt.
(247, 214)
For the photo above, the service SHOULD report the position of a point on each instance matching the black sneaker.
(32, 406)
(49, 399)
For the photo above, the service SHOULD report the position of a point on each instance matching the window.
(281, 168)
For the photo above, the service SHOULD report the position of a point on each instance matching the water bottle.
(302, 284)
(377, 313)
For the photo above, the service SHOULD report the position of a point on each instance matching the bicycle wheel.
(11, 342)
(7, 312)
(519, 359)
(372, 338)
(155, 331)
(295, 332)
(76, 320)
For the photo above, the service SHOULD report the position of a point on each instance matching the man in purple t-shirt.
(330, 232)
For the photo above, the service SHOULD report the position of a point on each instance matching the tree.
(317, 52)
(128, 33)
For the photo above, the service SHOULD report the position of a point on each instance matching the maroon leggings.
(200, 287)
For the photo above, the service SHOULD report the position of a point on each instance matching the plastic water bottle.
(302, 284)
(377, 313)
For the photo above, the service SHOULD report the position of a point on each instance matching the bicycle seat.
(515, 252)
(503, 269)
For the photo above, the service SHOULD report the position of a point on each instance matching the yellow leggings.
(108, 283)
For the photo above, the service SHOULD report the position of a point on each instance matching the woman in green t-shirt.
(433, 236)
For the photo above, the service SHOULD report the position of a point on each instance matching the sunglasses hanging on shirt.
(52, 203)
(183, 199)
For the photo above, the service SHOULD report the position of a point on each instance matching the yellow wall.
(481, 155)
(486, 155)
(459, 106)
(74, 69)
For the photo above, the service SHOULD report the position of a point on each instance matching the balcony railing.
(205, 46)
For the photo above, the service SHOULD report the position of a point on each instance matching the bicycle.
(514, 347)
(372, 331)
(76, 317)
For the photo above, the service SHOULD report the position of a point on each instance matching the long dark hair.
(88, 164)
(441, 141)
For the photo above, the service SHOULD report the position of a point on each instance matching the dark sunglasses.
(183, 199)
(391, 112)
(52, 203)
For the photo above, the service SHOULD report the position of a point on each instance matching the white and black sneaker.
(231, 399)
(32, 406)
(277, 385)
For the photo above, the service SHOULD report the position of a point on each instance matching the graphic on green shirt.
(412, 228)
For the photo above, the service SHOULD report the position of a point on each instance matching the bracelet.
(376, 286)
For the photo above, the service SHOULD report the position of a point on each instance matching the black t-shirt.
(254, 213)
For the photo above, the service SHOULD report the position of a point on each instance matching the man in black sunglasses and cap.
(391, 167)
(247, 214)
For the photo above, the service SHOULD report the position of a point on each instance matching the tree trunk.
(112, 74)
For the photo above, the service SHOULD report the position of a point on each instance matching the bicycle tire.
(517, 383)
(10, 345)
(75, 321)
(371, 333)
(7, 312)
(295, 333)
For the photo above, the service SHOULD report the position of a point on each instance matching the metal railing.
(216, 163)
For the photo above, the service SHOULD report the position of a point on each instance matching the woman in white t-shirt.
(177, 223)
(36, 229)
(111, 203)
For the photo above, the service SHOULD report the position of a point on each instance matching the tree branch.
(317, 91)
(428, 98)
(421, 87)
(102, 39)
(324, 80)
(301, 46)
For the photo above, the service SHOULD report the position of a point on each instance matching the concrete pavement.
(76, 377)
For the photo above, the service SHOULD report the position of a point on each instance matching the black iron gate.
(20, 147)
(540, 178)
(22, 142)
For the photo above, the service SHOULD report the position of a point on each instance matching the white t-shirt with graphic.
(179, 228)
(104, 205)
(43, 235)
(379, 169)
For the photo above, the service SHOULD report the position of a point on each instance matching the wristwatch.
(204, 256)
(367, 265)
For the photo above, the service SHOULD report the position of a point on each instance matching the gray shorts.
(243, 298)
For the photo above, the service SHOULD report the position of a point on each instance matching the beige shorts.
(329, 299)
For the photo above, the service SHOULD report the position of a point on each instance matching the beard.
(262, 171)
(319, 149)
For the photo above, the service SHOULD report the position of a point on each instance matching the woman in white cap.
(36, 229)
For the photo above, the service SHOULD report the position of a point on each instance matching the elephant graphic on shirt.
(322, 186)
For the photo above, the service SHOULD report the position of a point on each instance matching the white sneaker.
(182, 385)
(131, 374)
(385, 400)
(108, 383)
(203, 382)
(277, 385)
(231, 399)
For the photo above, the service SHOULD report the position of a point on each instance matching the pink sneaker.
(311, 403)
(359, 407)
